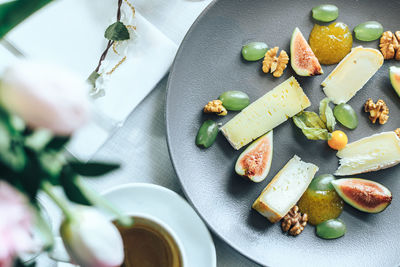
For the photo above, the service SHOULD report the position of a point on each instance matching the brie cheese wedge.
(352, 73)
(378, 151)
(285, 189)
(270, 110)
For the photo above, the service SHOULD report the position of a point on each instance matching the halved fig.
(394, 74)
(364, 195)
(302, 58)
(255, 161)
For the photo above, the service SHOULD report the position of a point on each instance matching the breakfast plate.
(208, 63)
(172, 210)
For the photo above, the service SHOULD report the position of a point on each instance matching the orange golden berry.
(338, 140)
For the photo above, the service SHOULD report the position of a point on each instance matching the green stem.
(100, 201)
(48, 188)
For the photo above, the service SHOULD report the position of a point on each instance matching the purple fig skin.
(364, 195)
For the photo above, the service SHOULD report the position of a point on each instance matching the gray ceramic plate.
(209, 63)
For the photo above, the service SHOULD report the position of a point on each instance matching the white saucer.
(173, 210)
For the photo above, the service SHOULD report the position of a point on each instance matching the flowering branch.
(110, 42)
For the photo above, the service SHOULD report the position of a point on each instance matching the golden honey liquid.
(332, 43)
(320, 205)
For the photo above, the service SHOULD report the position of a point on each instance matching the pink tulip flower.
(15, 225)
(45, 96)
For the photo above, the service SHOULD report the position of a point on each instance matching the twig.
(110, 42)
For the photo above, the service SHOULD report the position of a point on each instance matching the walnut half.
(272, 63)
(215, 106)
(294, 222)
(389, 45)
(397, 132)
(377, 111)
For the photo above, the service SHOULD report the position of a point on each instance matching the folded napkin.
(71, 33)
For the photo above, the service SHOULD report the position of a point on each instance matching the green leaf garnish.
(311, 119)
(311, 126)
(93, 168)
(326, 114)
(117, 32)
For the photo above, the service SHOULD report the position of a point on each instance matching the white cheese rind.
(352, 73)
(267, 112)
(379, 151)
(285, 189)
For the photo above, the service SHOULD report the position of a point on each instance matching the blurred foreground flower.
(41, 106)
(91, 239)
(15, 224)
(45, 96)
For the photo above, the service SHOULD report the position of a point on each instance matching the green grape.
(234, 100)
(207, 134)
(325, 13)
(254, 51)
(346, 115)
(330, 229)
(368, 31)
(322, 183)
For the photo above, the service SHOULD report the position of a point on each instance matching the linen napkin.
(71, 33)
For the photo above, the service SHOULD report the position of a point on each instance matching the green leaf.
(117, 32)
(19, 263)
(38, 140)
(312, 133)
(17, 123)
(32, 175)
(316, 134)
(14, 12)
(68, 180)
(52, 164)
(57, 143)
(93, 168)
(326, 114)
(311, 119)
(5, 136)
(93, 78)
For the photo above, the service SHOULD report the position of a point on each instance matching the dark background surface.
(208, 63)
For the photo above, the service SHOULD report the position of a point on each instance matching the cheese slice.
(285, 189)
(352, 73)
(272, 109)
(378, 151)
